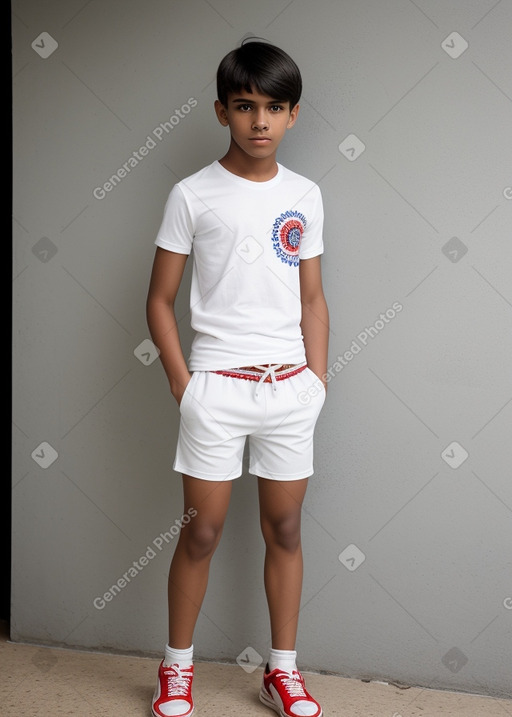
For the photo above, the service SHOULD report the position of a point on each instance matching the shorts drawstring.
(268, 371)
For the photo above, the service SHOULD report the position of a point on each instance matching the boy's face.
(257, 122)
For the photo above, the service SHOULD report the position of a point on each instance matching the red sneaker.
(173, 693)
(285, 692)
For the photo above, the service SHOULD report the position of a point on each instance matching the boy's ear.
(221, 113)
(293, 116)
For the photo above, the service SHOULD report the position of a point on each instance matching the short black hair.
(262, 67)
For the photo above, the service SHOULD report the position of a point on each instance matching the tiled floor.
(48, 682)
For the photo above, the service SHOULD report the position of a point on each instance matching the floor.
(48, 682)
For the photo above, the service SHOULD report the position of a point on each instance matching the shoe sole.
(269, 702)
(156, 715)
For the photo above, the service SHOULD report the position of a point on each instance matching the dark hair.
(262, 67)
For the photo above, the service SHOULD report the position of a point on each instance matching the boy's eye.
(248, 108)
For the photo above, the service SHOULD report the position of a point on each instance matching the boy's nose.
(260, 123)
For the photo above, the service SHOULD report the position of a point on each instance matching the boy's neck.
(251, 168)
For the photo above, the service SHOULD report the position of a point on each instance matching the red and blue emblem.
(286, 235)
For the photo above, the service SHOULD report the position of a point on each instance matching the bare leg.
(188, 574)
(280, 516)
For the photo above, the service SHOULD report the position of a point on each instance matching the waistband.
(266, 373)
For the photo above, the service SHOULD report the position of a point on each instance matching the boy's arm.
(166, 275)
(315, 316)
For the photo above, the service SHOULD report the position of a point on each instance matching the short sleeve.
(176, 231)
(312, 239)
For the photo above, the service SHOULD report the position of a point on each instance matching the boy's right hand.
(178, 389)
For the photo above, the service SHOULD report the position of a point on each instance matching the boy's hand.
(320, 376)
(178, 389)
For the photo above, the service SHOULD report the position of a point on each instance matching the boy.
(261, 333)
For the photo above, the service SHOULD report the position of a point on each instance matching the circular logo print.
(286, 235)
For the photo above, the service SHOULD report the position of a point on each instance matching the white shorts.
(218, 412)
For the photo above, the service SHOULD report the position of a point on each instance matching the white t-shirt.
(246, 240)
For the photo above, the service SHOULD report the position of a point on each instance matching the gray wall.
(407, 522)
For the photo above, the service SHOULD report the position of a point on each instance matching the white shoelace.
(294, 687)
(178, 685)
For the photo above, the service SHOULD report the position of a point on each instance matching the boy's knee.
(283, 533)
(201, 540)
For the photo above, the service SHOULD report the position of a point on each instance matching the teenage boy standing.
(261, 335)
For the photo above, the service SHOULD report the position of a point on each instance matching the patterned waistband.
(267, 373)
